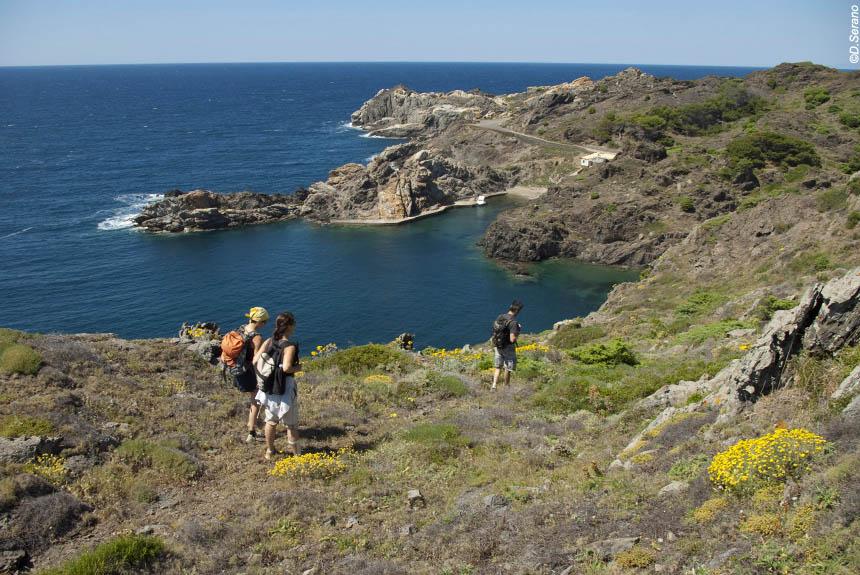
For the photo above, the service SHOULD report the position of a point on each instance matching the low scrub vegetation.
(362, 359)
(126, 554)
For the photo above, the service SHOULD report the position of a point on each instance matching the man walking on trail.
(506, 329)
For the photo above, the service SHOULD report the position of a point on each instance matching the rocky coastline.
(668, 172)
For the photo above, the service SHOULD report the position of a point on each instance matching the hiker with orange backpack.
(239, 349)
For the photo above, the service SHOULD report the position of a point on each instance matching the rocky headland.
(685, 153)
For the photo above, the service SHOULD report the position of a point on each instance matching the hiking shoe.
(252, 437)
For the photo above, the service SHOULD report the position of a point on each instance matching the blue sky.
(729, 32)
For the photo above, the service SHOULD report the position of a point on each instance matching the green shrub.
(849, 119)
(636, 557)
(852, 220)
(9, 335)
(125, 554)
(688, 469)
(573, 335)
(609, 389)
(19, 358)
(447, 385)
(758, 149)
(700, 302)
(686, 204)
(815, 96)
(363, 358)
(832, 199)
(810, 262)
(438, 440)
(770, 304)
(25, 425)
(613, 352)
(702, 333)
(165, 459)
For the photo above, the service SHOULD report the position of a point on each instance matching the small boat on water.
(481, 201)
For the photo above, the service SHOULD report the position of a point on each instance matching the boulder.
(837, 324)
(607, 549)
(849, 386)
(24, 449)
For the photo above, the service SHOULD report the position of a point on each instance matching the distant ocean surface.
(83, 148)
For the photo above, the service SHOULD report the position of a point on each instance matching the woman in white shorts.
(280, 400)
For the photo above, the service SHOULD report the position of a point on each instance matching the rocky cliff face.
(400, 182)
(201, 210)
(401, 112)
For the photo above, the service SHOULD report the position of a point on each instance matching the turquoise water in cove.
(83, 148)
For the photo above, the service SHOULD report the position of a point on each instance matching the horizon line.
(534, 62)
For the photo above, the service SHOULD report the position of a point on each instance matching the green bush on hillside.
(686, 204)
(125, 554)
(852, 220)
(700, 302)
(363, 358)
(832, 199)
(438, 440)
(758, 149)
(613, 352)
(573, 335)
(25, 425)
(166, 459)
(849, 119)
(810, 262)
(19, 358)
(732, 103)
(611, 388)
(815, 96)
(702, 333)
(771, 304)
(447, 385)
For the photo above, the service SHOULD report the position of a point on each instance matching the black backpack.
(279, 381)
(502, 331)
(276, 355)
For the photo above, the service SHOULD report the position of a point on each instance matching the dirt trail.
(495, 125)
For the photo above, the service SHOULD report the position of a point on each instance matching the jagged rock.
(838, 322)
(199, 210)
(402, 181)
(415, 499)
(495, 501)
(676, 394)
(407, 530)
(14, 561)
(23, 449)
(849, 385)
(402, 112)
(209, 350)
(674, 488)
(852, 410)
(351, 522)
(607, 549)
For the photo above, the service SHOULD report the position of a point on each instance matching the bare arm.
(289, 357)
(515, 334)
(260, 346)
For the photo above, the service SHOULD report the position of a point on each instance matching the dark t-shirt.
(513, 327)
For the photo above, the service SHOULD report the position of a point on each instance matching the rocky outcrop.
(200, 210)
(402, 181)
(826, 319)
(402, 112)
(599, 233)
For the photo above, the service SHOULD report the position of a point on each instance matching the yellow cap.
(258, 314)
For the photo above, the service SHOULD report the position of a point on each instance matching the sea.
(84, 148)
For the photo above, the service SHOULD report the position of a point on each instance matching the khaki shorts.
(505, 357)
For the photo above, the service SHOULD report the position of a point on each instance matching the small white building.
(596, 158)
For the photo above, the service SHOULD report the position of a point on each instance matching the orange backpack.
(234, 346)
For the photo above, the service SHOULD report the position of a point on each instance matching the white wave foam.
(122, 217)
(15, 233)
